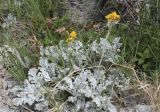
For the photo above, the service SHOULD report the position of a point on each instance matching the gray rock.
(143, 108)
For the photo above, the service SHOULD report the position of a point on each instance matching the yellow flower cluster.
(113, 17)
(72, 37)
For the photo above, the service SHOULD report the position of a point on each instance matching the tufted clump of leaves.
(78, 72)
(91, 91)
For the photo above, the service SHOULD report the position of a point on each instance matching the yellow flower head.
(72, 37)
(73, 34)
(113, 17)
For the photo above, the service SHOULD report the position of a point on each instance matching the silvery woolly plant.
(78, 72)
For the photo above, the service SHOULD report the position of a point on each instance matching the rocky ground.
(6, 84)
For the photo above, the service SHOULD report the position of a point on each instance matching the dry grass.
(148, 89)
(153, 93)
